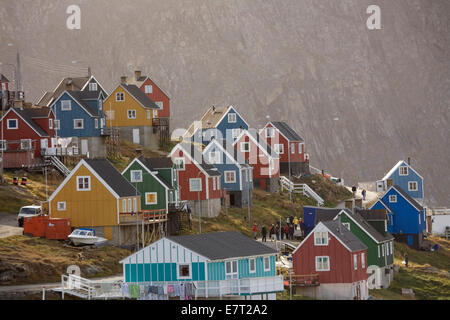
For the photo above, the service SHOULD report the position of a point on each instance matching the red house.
(259, 154)
(331, 264)
(289, 145)
(25, 133)
(199, 181)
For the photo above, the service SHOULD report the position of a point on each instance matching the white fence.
(302, 188)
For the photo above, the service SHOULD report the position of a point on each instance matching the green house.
(156, 180)
(380, 244)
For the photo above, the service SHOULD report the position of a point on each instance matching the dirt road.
(8, 225)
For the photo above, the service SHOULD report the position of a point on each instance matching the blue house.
(217, 122)
(220, 264)
(406, 217)
(403, 175)
(236, 172)
(313, 215)
(79, 114)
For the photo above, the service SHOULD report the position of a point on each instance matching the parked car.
(28, 211)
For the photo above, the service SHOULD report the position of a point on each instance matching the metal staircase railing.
(59, 165)
(302, 188)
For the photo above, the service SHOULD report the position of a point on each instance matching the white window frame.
(133, 112)
(178, 270)
(3, 145)
(66, 105)
(292, 148)
(226, 177)
(347, 225)
(156, 198)
(235, 132)
(61, 206)
(379, 251)
(403, 169)
(148, 89)
(391, 244)
(50, 123)
(93, 86)
(278, 148)
(12, 128)
(160, 104)
(96, 123)
(382, 250)
(28, 141)
(416, 186)
(179, 161)
(363, 260)
(234, 273)
(120, 96)
(190, 184)
(214, 183)
(319, 265)
(78, 184)
(250, 270)
(218, 183)
(319, 235)
(271, 130)
(355, 262)
(130, 205)
(300, 145)
(124, 205)
(57, 124)
(264, 264)
(232, 118)
(75, 126)
(132, 178)
(243, 144)
(149, 114)
(100, 104)
(393, 198)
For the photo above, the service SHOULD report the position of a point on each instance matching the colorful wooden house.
(217, 122)
(26, 134)
(156, 180)
(134, 114)
(84, 84)
(156, 94)
(289, 146)
(200, 182)
(95, 195)
(236, 172)
(405, 176)
(331, 264)
(380, 247)
(406, 217)
(221, 265)
(259, 154)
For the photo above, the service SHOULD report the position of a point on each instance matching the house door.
(232, 200)
(136, 136)
(410, 241)
(84, 146)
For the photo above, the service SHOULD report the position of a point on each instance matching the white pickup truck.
(26, 212)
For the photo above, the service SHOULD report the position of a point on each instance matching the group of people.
(276, 231)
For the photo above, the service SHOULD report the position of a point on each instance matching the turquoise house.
(220, 264)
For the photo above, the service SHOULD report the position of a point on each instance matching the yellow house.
(95, 195)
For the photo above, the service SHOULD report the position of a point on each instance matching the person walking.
(363, 192)
(277, 231)
(264, 233)
(286, 231)
(406, 260)
(295, 223)
(255, 231)
(291, 232)
(272, 232)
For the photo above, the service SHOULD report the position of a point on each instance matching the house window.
(92, 86)
(12, 124)
(382, 249)
(323, 263)
(179, 163)
(136, 175)
(347, 225)
(131, 114)
(84, 183)
(378, 251)
(155, 113)
(100, 104)
(160, 104)
(78, 124)
(393, 198)
(66, 105)
(235, 133)
(231, 269)
(124, 205)
(57, 124)
(3, 144)
(321, 238)
(363, 260)
(195, 184)
(279, 148)
(355, 261)
(245, 146)
(214, 183)
(392, 247)
(50, 123)
(148, 89)
(232, 117)
(120, 96)
(403, 171)
(412, 186)
(149, 114)
(96, 123)
(184, 271)
(270, 132)
(292, 147)
(230, 176)
(130, 208)
(25, 144)
(252, 265)
(300, 145)
(214, 157)
(266, 263)
(61, 206)
(151, 198)
(218, 183)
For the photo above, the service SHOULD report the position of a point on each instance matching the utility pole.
(18, 80)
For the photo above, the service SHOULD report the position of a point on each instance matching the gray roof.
(408, 197)
(80, 97)
(3, 78)
(345, 236)
(112, 177)
(326, 214)
(287, 131)
(150, 162)
(223, 245)
(140, 96)
(372, 215)
(197, 155)
(29, 113)
(368, 227)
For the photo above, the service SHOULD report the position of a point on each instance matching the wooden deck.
(309, 280)
(143, 217)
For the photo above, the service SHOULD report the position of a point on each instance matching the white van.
(28, 211)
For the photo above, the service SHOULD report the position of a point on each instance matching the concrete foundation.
(297, 168)
(208, 208)
(95, 147)
(268, 184)
(148, 136)
(240, 199)
(380, 278)
(335, 291)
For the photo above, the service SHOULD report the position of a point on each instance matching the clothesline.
(185, 291)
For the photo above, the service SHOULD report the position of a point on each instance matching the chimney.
(137, 74)
(213, 109)
(139, 152)
(123, 80)
(359, 203)
(69, 84)
(349, 204)
(409, 161)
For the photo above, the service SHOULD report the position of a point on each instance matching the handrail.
(302, 188)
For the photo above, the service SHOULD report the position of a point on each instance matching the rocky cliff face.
(361, 99)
